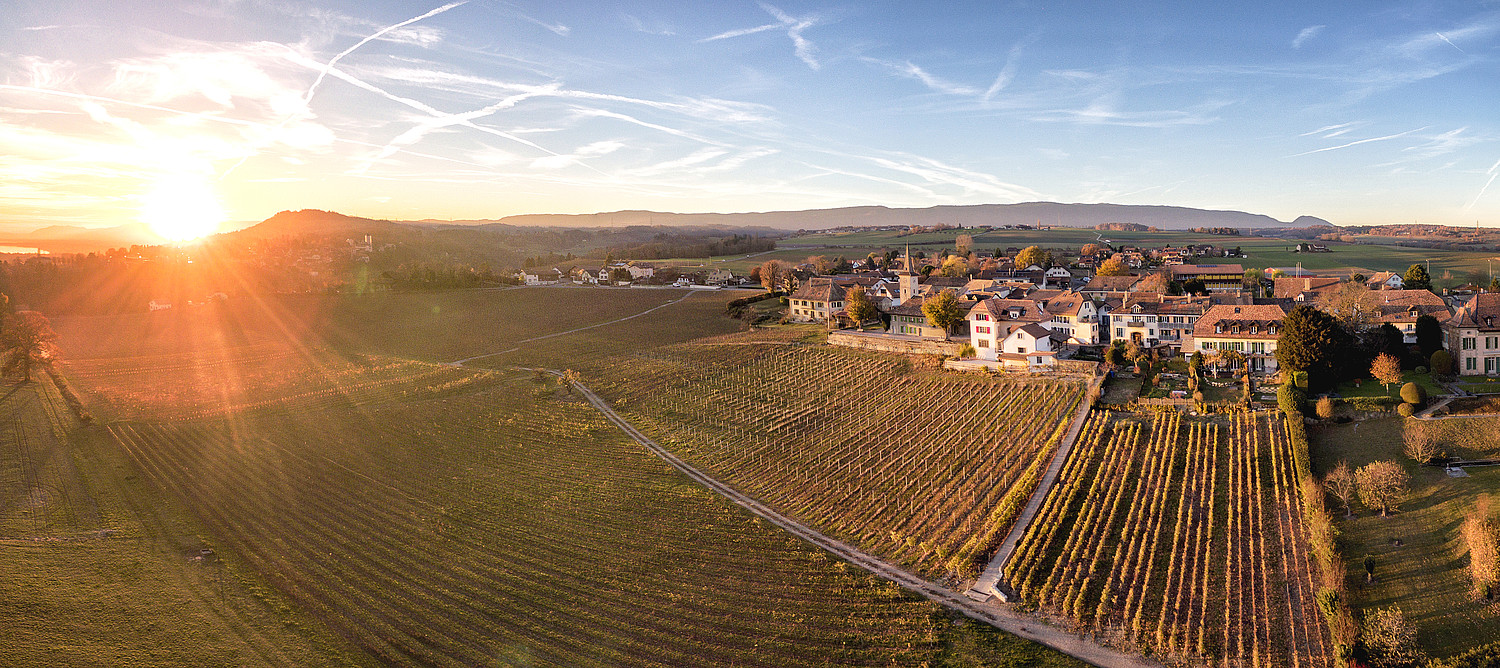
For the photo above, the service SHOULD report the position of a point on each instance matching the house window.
(1489, 364)
(1021, 350)
(1489, 342)
(1467, 343)
(1119, 332)
(981, 329)
(981, 316)
(1218, 329)
(984, 343)
(1469, 364)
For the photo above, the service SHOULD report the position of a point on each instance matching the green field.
(367, 503)
(1426, 572)
(1447, 267)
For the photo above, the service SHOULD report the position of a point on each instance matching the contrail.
(313, 89)
(1362, 141)
(323, 71)
(1449, 41)
(1494, 171)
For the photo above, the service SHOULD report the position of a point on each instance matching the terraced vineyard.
(928, 468)
(1180, 537)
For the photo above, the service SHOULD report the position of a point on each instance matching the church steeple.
(908, 279)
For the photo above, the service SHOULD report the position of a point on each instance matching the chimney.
(1307, 282)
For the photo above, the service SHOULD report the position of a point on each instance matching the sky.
(191, 113)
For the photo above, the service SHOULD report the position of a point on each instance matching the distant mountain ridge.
(1028, 213)
(63, 238)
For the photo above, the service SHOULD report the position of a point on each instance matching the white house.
(1473, 335)
(992, 321)
(1029, 345)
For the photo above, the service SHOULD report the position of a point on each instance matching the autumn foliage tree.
(1033, 255)
(858, 305)
(1113, 267)
(943, 310)
(1386, 369)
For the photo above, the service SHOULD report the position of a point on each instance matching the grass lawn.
(1373, 388)
(1479, 384)
(1426, 574)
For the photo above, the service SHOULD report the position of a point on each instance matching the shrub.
(966, 350)
(1441, 362)
(1420, 369)
(1406, 410)
(1413, 393)
(1324, 408)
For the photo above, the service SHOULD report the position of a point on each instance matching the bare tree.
(1353, 304)
(26, 342)
(1341, 484)
(1421, 443)
(1382, 485)
(1483, 539)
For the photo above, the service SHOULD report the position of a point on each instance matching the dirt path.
(575, 330)
(990, 612)
(989, 581)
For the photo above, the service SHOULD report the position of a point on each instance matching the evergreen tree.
(1416, 278)
(1429, 335)
(1309, 341)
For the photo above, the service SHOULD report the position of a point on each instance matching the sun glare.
(181, 208)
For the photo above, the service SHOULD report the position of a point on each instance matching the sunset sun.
(181, 208)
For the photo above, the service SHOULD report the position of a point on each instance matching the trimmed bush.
(1413, 393)
(1406, 410)
(1290, 398)
(1441, 362)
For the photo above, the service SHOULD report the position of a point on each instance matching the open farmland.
(927, 468)
(427, 514)
(1181, 537)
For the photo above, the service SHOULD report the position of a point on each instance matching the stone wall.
(893, 344)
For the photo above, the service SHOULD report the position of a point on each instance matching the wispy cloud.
(794, 26)
(1306, 34)
(1328, 131)
(911, 70)
(659, 28)
(1357, 143)
(1007, 73)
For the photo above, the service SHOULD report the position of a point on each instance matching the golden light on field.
(182, 208)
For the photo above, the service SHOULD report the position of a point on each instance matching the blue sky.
(1355, 112)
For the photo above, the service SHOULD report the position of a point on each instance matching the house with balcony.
(1215, 277)
(1250, 329)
